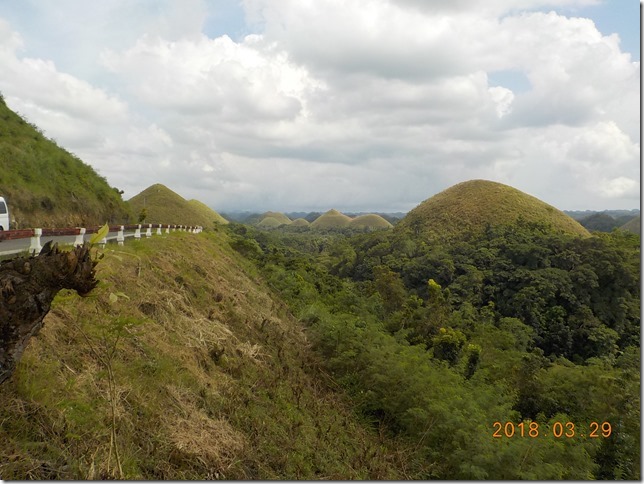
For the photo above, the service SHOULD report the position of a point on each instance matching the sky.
(358, 105)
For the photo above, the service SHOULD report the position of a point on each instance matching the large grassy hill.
(468, 208)
(184, 363)
(162, 205)
(331, 220)
(46, 186)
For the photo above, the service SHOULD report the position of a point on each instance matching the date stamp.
(558, 430)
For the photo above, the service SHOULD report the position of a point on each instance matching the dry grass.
(212, 379)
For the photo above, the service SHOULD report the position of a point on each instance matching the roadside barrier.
(121, 231)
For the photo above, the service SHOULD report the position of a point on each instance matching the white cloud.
(332, 103)
(620, 187)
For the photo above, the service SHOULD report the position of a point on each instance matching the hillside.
(331, 220)
(634, 225)
(370, 222)
(46, 186)
(301, 222)
(468, 208)
(165, 206)
(206, 212)
(212, 379)
(269, 223)
(279, 216)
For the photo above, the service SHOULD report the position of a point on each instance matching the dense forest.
(511, 354)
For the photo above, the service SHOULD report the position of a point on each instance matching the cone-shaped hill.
(167, 207)
(633, 225)
(370, 221)
(468, 208)
(277, 216)
(207, 212)
(331, 220)
(269, 223)
(300, 222)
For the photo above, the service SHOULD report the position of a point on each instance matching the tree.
(390, 287)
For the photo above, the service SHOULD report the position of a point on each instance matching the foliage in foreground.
(435, 344)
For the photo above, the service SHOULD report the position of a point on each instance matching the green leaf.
(100, 235)
(113, 298)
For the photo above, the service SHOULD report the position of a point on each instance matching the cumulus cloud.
(355, 105)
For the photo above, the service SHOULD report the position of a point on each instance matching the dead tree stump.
(28, 285)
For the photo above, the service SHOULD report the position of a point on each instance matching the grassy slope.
(269, 223)
(331, 219)
(47, 186)
(371, 221)
(207, 212)
(213, 379)
(301, 222)
(279, 216)
(165, 206)
(634, 225)
(468, 207)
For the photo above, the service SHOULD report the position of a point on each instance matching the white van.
(4, 215)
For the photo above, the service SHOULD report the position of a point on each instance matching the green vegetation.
(521, 325)
(162, 205)
(468, 208)
(46, 186)
(603, 222)
(470, 342)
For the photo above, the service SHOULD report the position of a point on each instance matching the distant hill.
(165, 206)
(633, 225)
(300, 222)
(330, 220)
(616, 214)
(278, 216)
(269, 223)
(46, 186)
(370, 221)
(467, 208)
(600, 222)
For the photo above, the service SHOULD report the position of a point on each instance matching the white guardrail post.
(120, 236)
(137, 232)
(148, 232)
(80, 237)
(159, 230)
(35, 241)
